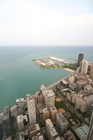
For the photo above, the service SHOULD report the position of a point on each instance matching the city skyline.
(46, 22)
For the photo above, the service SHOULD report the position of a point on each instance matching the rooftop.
(39, 136)
(43, 87)
(49, 93)
(58, 138)
(21, 136)
(6, 113)
(45, 110)
(34, 127)
(51, 128)
(25, 118)
(81, 81)
(30, 97)
(62, 118)
(53, 108)
(19, 100)
(82, 132)
(20, 118)
(64, 81)
(89, 98)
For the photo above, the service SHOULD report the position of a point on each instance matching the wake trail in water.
(17, 58)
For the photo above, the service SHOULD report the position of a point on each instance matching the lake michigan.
(19, 75)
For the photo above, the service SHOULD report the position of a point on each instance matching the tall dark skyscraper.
(91, 72)
(80, 57)
(90, 132)
(7, 122)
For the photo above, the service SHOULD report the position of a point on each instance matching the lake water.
(19, 75)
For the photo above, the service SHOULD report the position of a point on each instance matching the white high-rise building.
(50, 130)
(83, 66)
(61, 123)
(31, 109)
(49, 98)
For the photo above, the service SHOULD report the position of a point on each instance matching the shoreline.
(67, 69)
(49, 87)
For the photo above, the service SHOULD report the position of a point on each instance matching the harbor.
(59, 60)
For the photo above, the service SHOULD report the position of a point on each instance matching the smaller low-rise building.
(74, 98)
(64, 83)
(33, 130)
(69, 96)
(82, 132)
(88, 89)
(26, 134)
(21, 136)
(69, 136)
(59, 138)
(9, 138)
(39, 136)
(25, 119)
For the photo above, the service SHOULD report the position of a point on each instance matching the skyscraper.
(7, 122)
(91, 72)
(20, 106)
(83, 66)
(90, 132)
(80, 57)
(61, 123)
(49, 98)
(50, 130)
(31, 109)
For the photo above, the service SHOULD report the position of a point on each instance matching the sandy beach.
(67, 69)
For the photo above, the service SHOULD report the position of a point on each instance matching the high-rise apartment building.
(80, 85)
(90, 132)
(49, 98)
(91, 72)
(31, 109)
(89, 102)
(20, 123)
(61, 123)
(20, 106)
(53, 112)
(80, 57)
(50, 130)
(83, 66)
(46, 114)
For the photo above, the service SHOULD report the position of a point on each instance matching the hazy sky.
(46, 22)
